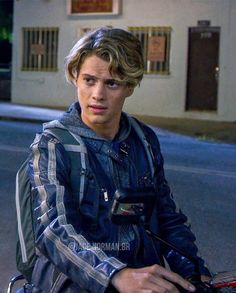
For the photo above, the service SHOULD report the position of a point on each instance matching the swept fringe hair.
(118, 47)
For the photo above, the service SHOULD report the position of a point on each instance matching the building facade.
(189, 48)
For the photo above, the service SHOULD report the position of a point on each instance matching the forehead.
(96, 66)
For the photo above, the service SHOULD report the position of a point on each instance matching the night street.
(202, 176)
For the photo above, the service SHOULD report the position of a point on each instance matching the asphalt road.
(203, 179)
(202, 176)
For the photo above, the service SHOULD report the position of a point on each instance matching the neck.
(105, 132)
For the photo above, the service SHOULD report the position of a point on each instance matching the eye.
(89, 80)
(113, 84)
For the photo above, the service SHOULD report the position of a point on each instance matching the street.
(202, 176)
(15, 137)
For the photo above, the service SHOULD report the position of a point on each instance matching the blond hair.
(118, 47)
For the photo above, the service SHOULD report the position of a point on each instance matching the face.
(101, 96)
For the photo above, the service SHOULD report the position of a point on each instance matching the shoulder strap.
(22, 180)
(138, 129)
(70, 141)
(72, 144)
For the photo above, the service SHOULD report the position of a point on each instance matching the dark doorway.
(6, 15)
(203, 68)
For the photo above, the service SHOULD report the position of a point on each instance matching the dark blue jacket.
(79, 248)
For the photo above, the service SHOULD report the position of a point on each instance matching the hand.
(152, 279)
(205, 278)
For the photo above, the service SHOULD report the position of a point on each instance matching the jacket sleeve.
(57, 228)
(174, 226)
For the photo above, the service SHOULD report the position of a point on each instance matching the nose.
(99, 91)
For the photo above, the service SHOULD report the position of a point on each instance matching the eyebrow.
(89, 75)
(106, 80)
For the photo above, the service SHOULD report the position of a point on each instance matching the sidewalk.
(203, 129)
(10, 111)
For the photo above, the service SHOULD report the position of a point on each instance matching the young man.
(75, 237)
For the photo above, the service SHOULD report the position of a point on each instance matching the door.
(203, 68)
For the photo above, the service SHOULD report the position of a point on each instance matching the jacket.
(79, 248)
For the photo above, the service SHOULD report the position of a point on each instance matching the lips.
(97, 108)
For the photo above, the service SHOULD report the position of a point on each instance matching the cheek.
(82, 93)
(81, 98)
(78, 92)
(117, 103)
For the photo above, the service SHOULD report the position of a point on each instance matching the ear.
(130, 90)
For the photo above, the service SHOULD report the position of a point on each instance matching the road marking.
(211, 172)
(12, 148)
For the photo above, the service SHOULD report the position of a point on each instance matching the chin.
(98, 120)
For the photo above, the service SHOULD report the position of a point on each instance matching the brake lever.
(201, 287)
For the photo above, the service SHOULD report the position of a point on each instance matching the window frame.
(149, 37)
(116, 9)
(40, 49)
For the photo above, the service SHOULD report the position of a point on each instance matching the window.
(156, 48)
(40, 46)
